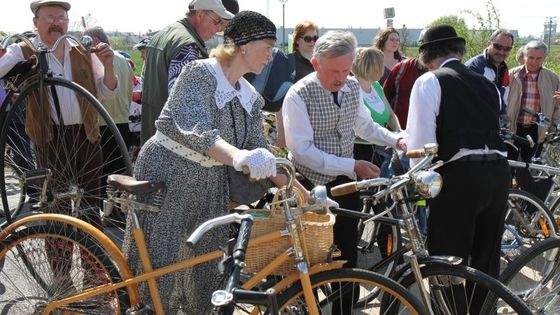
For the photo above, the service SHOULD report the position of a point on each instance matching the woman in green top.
(367, 69)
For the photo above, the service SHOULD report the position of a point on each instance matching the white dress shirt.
(424, 108)
(299, 134)
(69, 106)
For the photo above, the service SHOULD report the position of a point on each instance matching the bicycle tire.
(534, 276)
(376, 241)
(77, 165)
(528, 207)
(439, 275)
(51, 261)
(327, 285)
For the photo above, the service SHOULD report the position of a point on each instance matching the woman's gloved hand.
(260, 162)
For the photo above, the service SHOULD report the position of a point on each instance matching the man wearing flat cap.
(92, 71)
(459, 110)
(173, 47)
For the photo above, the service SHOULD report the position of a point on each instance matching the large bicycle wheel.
(535, 277)
(336, 292)
(51, 261)
(457, 289)
(528, 221)
(73, 165)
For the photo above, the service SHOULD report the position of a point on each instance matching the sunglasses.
(216, 20)
(500, 47)
(308, 38)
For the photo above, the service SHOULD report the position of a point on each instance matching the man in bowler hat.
(459, 110)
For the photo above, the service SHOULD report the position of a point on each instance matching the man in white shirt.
(95, 74)
(322, 114)
(459, 110)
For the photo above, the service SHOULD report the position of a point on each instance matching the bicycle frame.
(150, 275)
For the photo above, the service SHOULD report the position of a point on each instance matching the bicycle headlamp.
(428, 183)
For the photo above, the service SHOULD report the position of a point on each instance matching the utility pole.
(283, 2)
(549, 28)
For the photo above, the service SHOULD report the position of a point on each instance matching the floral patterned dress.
(202, 108)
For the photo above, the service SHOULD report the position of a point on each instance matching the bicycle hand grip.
(415, 154)
(245, 171)
(344, 189)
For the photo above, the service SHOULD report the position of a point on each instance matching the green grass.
(138, 62)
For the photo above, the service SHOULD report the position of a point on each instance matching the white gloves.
(260, 162)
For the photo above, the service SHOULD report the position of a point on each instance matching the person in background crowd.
(173, 47)
(117, 107)
(397, 88)
(491, 63)
(323, 113)
(398, 85)
(388, 41)
(367, 69)
(231, 6)
(536, 88)
(305, 36)
(210, 123)
(69, 62)
(459, 110)
(141, 46)
(519, 56)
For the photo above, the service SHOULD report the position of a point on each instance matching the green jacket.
(163, 47)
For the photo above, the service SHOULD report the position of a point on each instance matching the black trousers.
(467, 218)
(526, 153)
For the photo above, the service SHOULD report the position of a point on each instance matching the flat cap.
(35, 5)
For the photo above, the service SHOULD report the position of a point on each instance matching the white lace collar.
(225, 92)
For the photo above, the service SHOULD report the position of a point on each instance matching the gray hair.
(97, 31)
(499, 32)
(335, 44)
(535, 44)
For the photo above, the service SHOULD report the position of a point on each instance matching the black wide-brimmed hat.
(439, 34)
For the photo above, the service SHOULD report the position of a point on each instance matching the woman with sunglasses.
(388, 41)
(305, 35)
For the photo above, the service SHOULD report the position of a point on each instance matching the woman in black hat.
(210, 123)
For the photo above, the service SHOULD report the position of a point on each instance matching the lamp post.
(283, 23)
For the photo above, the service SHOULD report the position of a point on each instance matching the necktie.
(335, 98)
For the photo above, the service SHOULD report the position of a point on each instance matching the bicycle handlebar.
(212, 223)
(428, 153)
(85, 43)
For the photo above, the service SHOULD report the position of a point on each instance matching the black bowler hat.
(438, 34)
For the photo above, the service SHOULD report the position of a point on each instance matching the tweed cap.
(248, 26)
(35, 5)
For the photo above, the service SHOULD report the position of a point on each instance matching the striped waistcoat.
(333, 127)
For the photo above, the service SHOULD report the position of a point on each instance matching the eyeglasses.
(500, 47)
(215, 19)
(51, 19)
(308, 38)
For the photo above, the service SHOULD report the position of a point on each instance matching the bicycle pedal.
(36, 176)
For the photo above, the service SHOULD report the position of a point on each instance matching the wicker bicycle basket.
(316, 233)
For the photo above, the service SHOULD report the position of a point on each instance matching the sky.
(139, 16)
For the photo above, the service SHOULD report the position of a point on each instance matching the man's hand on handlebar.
(366, 170)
